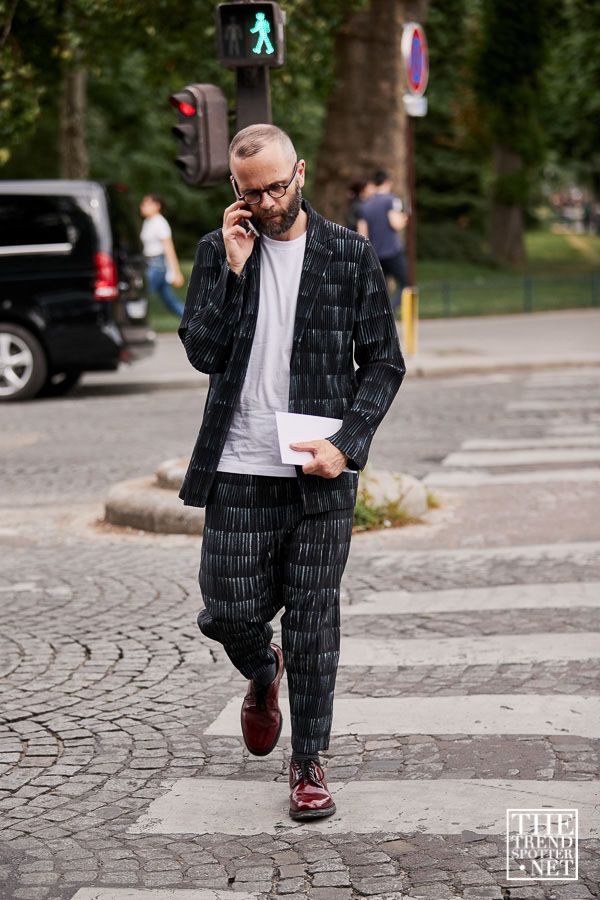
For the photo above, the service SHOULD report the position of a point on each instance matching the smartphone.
(249, 225)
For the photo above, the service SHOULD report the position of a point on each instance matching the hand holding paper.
(303, 442)
(328, 461)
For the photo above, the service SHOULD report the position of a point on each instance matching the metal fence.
(495, 296)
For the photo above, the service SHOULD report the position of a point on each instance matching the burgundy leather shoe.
(261, 716)
(310, 797)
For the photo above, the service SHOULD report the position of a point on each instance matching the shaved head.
(254, 139)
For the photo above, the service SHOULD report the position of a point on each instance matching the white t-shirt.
(252, 446)
(154, 230)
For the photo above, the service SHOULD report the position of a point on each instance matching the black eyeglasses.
(276, 191)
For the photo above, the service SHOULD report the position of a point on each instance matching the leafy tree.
(511, 50)
(572, 117)
(132, 57)
(365, 119)
(448, 150)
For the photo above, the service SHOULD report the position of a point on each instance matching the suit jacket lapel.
(316, 259)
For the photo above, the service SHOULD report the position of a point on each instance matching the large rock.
(379, 487)
(170, 474)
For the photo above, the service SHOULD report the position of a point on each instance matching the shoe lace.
(309, 770)
(259, 695)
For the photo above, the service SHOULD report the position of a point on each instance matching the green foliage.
(449, 163)
(572, 78)
(510, 50)
(451, 241)
(501, 70)
(368, 517)
(135, 55)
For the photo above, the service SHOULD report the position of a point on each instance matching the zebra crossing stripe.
(570, 404)
(440, 806)
(473, 650)
(477, 479)
(567, 440)
(127, 893)
(506, 596)
(452, 714)
(521, 457)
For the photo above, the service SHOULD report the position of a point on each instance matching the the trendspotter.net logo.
(541, 844)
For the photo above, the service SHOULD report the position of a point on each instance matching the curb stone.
(152, 503)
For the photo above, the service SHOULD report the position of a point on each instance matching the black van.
(71, 284)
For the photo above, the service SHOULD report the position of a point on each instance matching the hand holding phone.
(239, 239)
(249, 225)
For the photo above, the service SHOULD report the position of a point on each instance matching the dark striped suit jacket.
(343, 314)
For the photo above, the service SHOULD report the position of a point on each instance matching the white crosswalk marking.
(473, 479)
(478, 650)
(565, 595)
(569, 403)
(537, 456)
(452, 714)
(96, 893)
(444, 805)
(565, 440)
(206, 805)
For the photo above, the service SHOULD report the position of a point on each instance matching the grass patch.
(368, 517)
(562, 271)
(433, 501)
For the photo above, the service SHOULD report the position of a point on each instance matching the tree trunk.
(506, 225)
(365, 121)
(73, 149)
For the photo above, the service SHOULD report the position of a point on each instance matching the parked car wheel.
(60, 383)
(23, 365)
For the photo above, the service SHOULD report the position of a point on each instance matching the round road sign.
(416, 57)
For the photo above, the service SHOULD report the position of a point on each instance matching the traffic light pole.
(253, 96)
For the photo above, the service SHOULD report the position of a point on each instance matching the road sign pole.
(253, 100)
(416, 61)
(412, 200)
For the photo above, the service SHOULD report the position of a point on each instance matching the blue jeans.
(396, 267)
(156, 271)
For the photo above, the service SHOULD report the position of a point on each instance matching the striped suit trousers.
(260, 554)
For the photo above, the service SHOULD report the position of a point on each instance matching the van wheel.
(22, 363)
(60, 383)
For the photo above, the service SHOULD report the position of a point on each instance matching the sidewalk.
(489, 343)
(446, 347)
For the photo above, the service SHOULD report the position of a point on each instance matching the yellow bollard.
(410, 319)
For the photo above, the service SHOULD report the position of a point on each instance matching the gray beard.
(274, 229)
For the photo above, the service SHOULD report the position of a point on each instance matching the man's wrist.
(237, 270)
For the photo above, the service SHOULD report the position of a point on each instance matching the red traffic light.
(202, 132)
(186, 109)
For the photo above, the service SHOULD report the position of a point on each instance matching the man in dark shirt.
(382, 221)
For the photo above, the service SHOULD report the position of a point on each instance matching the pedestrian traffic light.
(250, 34)
(203, 133)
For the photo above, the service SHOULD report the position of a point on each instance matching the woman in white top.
(162, 265)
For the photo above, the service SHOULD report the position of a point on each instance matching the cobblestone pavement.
(108, 690)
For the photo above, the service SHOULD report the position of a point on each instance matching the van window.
(51, 227)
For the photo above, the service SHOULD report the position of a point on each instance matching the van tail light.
(105, 287)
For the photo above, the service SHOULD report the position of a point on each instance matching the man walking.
(382, 221)
(277, 321)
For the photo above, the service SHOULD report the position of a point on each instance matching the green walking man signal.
(262, 26)
(250, 34)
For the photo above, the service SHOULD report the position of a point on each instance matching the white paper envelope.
(295, 427)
